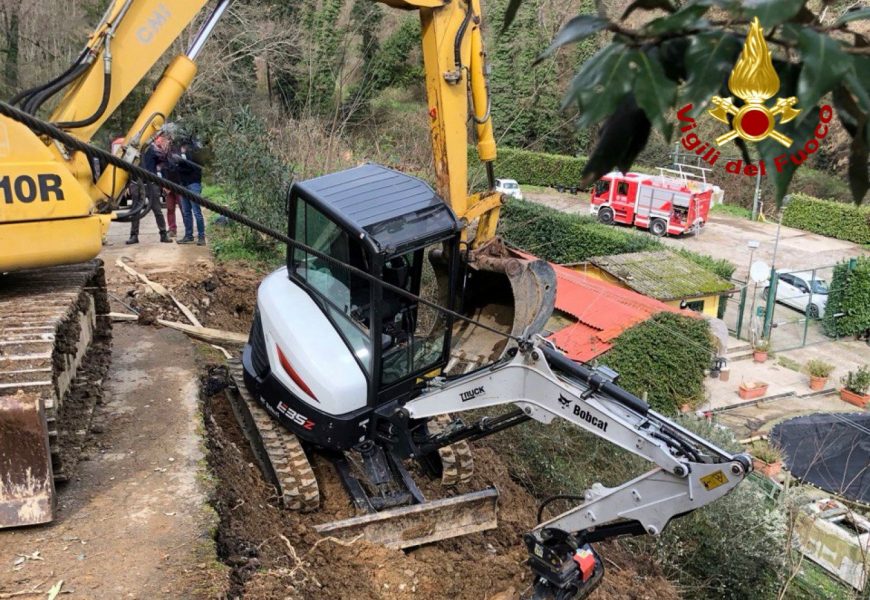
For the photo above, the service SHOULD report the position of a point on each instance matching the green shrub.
(705, 554)
(834, 219)
(532, 168)
(818, 368)
(565, 238)
(848, 309)
(858, 381)
(664, 358)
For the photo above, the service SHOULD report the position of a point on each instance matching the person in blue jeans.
(189, 174)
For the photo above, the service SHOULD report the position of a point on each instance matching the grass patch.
(731, 209)
(231, 241)
(814, 583)
(788, 363)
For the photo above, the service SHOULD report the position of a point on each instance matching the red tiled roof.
(603, 311)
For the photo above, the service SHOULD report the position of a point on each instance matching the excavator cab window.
(346, 298)
(417, 334)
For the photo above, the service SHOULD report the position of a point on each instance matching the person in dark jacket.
(149, 161)
(188, 170)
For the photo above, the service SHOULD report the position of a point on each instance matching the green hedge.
(664, 358)
(834, 219)
(568, 238)
(531, 168)
(849, 297)
(565, 238)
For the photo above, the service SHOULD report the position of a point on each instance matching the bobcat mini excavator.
(351, 362)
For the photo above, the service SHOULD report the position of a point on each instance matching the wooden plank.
(156, 287)
(123, 316)
(420, 524)
(187, 312)
(207, 334)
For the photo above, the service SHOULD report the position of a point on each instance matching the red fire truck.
(662, 204)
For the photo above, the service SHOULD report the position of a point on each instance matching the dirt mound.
(275, 553)
(221, 296)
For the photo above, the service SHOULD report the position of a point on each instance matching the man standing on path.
(189, 173)
(149, 161)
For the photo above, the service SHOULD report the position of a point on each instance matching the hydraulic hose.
(101, 109)
(26, 94)
(460, 34)
(35, 101)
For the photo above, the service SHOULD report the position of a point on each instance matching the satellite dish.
(759, 271)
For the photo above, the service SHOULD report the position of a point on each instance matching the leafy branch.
(683, 57)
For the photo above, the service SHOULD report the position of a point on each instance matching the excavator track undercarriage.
(55, 338)
(280, 455)
(399, 524)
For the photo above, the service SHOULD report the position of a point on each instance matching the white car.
(509, 187)
(801, 291)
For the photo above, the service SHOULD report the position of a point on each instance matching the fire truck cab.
(664, 205)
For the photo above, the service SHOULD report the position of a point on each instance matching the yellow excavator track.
(55, 338)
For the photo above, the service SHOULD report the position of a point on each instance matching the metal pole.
(206, 29)
(757, 197)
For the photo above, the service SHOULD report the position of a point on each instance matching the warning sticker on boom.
(714, 480)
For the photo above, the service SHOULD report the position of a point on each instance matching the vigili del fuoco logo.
(754, 81)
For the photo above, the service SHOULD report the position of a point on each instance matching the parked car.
(509, 187)
(801, 291)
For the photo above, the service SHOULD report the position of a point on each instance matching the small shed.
(663, 275)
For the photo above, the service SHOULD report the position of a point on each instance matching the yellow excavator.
(57, 207)
(342, 357)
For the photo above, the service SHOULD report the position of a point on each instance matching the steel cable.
(42, 127)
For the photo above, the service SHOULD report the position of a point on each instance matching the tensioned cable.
(39, 126)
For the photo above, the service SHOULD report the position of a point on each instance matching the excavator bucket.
(26, 482)
(508, 292)
(418, 524)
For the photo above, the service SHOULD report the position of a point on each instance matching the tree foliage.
(685, 56)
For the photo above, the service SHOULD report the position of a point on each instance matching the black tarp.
(829, 450)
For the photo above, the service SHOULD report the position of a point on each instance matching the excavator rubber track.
(279, 453)
(55, 340)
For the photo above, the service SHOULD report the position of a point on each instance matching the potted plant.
(751, 390)
(766, 458)
(819, 371)
(856, 384)
(760, 350)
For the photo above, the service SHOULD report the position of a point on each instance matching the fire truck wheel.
(658, 227)
(605, 215)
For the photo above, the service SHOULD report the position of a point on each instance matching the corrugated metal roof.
(603, 311)
(663, 275)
